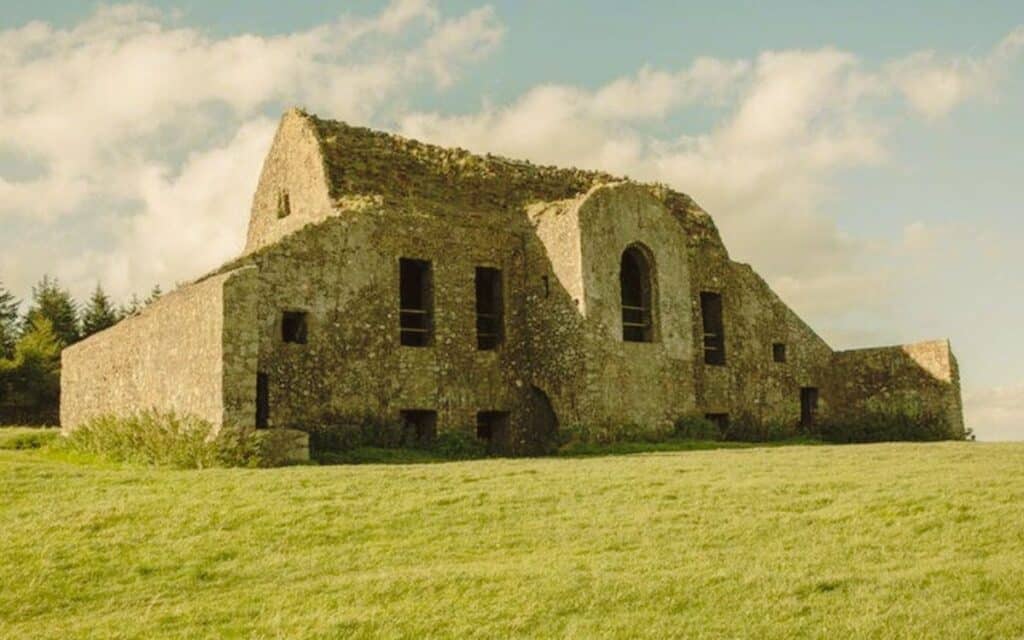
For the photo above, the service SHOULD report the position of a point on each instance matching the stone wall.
(563, 333)
(914, 378)
(294, 167)
(752, 386)
(344, 275)
(634, 382)
(359, 200)
(172, 356)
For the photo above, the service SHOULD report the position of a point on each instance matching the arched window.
(637, 281)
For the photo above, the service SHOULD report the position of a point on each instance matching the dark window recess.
(489, 316)
(419, 427)
(284, 204)
(714, 331)
(721, 420)
(492, 428)
(547, 286)
(808, 406)
(636, 286)
(416, 305)
(294, 327)
(779, 352)
(262, 401)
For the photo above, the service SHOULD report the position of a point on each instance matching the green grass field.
(874, 541)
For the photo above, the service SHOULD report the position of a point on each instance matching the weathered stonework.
(192, 351)
(920, 377)
(337, 207)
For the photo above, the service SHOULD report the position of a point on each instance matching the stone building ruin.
(395, 280)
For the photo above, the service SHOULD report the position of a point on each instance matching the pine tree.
(55, 304)
(98, 314)
(154, 295)
(32, 377)
(8, 322)
(130, 309)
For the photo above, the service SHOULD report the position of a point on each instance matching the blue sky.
(866, 158)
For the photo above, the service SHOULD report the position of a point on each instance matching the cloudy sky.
(867, 159)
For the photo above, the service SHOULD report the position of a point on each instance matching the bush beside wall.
(338, 434)
(167, 439)
(697, 427)
(907, 424)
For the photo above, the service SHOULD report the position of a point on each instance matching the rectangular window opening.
(714, 330)
(808, 406)
(294, 327)
(492, 428)
(416, 305)
(779, 352)
(419, 427)
(489, 308)
(721, 420)
(284, 204)
(262, 401)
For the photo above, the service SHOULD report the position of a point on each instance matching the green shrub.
(696, 427)
(184, 442)
(459, 445)
(334, 434)
(351, 439)
(748, 428)
(255, 447)
(777, 431)
(907, 424)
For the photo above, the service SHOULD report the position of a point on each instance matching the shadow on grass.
(375, 455)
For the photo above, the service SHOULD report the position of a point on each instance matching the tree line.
(31, 342)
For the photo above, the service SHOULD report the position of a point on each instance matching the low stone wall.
(916, 377)
(173, 356)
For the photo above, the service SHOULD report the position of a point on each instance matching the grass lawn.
(874, 541)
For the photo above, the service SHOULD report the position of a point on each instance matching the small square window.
(779, 352)
(721, 420)
(294, 327)
(419, 427)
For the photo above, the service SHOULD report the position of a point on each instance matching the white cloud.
(790, 123)
(469, 37)
(159, 129)
(934, 85)
(652, 93)
(793, 120)
(155, 131)
(996, 413)
(126, 79)
(187, 216)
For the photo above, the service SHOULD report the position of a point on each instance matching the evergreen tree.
(130, 309)
(55, 304)
(32, 377)
(98, 314)
(8, 322)
(154, 295)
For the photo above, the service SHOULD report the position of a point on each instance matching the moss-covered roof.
(364, 161)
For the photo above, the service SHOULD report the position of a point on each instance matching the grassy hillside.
(865, 541)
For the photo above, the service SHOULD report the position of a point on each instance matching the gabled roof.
(362, 161)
